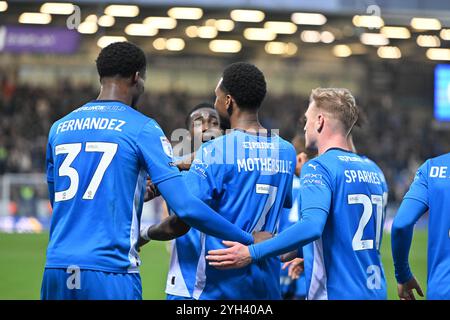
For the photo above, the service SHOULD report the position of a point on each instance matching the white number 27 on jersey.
(72, 150)
(379, 201)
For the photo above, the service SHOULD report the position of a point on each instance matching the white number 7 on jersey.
(72, 150)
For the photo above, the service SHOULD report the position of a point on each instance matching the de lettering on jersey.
(438, 172)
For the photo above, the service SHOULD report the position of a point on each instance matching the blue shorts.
(70, 284)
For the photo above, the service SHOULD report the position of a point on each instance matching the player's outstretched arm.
(197, 214)
(402, 233)
(310, 228)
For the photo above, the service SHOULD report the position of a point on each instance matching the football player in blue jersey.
(343, 198)
(98, 159)
(430, 191)
(203, 123)
(246, 175)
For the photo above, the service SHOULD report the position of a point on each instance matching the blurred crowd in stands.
(398, 138)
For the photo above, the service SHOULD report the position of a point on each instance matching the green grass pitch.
(22, 258)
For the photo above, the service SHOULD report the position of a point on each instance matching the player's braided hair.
(245, 83)
(121, 58)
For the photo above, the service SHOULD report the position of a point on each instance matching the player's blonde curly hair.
(339, 102)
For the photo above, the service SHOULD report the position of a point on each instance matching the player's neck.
(247, 121)
(336, 141)
(115, 91)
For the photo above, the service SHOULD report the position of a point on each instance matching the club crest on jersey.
(167, 147)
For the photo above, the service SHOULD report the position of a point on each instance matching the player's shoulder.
(443, 160)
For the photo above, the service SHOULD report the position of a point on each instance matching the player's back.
(250, 179)
(98, 181)
(345, 262)
(435, 174)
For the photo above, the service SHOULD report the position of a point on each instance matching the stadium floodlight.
(161, 22)
(35, 18)
(259, 34)
(160, 43)
(247, 15)
(120, 10)
(225, 46)
(224, 25)
(107, 40)
(87, 27)
(396, 32)
(106, 21)
(281, 27)
(374, 39)
(311, 36)
(281, 48)
(143, 30)
(91, 18)
(327, 37)
(374, 22)
(389, 52)
(184, 13)
(428, 41)
(313, 19)
(342, 51)
(207, 32)
(425, 24)
(3, 6)
(445, 34)
(438, 54)
(175, 44)
(192, 31)
(57, 8)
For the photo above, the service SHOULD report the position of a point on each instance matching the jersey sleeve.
(204, 178)
(155, 152)
(316, 187)
(419, 187)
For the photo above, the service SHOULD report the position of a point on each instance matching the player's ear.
(229, 104)
(135, 78)
(320, 122)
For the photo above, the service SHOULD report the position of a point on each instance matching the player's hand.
(289, 256)
(234, 257)
(406, 290)
(296, 268)
(141, 242)
(261, 236)
(151, 191)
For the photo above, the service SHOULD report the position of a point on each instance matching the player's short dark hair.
(121, 58)
(245, 83)
(203, 105)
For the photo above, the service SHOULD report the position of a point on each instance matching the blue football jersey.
(184, 258)
(431, 186)
(247, 179)
(98, 158)
(345, 263)
(291, 288)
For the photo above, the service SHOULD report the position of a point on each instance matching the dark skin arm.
(170, 228)
(173, 227)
